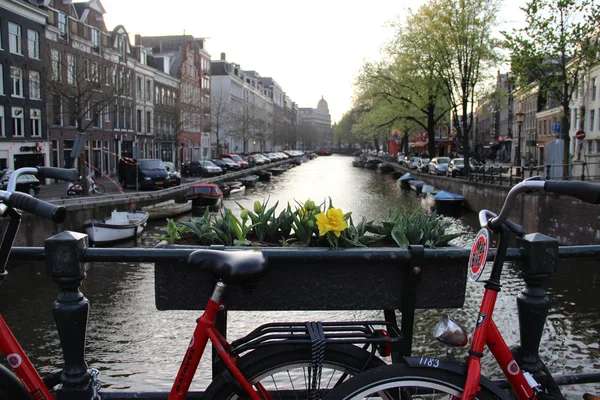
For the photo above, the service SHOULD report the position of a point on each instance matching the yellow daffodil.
(333, 221)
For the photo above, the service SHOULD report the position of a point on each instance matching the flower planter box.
(325, 279)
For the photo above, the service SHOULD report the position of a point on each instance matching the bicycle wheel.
(281, 369)
(400, 381)
(99, 189)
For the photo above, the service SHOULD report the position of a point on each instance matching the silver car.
(438, 165)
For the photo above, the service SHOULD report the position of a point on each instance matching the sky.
(312, 48)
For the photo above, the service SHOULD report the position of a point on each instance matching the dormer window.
(95, 37)
(122, 48)
(62, 25)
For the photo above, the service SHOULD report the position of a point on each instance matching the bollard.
(71, 309)
(541, 255)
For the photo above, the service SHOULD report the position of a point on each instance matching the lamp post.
(519, 116)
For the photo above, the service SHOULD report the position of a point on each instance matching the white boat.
(167, 209)
(121, 225)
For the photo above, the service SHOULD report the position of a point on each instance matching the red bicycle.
(428, 377)
(299, 359)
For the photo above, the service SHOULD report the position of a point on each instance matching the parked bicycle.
(429, 377)
(276, 360)
(76, 188)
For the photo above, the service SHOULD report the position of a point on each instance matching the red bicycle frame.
(205, 330)
(21, 364)
(487, 333)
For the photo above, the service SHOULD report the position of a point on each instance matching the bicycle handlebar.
(42, 173)
(585, 191)
(38, 207)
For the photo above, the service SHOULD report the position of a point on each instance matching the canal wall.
(569, 220)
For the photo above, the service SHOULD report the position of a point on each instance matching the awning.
(421, 144)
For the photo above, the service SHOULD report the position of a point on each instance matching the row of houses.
(65, 78)
(515, 125)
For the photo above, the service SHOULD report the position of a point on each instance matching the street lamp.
(520, 117)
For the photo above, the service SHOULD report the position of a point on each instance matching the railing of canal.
(389, 279)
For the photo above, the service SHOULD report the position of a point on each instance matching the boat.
(229, 191)
(426, 189)
(167, 209)
(405, 180)
(264, 176)
(416, 185)
(204, 195)
(277, 170)
(120, 225)
(447, 202)
(249, 180)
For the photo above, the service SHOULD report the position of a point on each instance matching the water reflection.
(137, 347)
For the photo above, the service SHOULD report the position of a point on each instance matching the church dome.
(323, 105)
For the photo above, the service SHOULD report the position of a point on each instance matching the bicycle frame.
(205, 330)
(487, 333)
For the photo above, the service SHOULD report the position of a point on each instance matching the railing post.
(541, 255)
(583, 171)
(71, 309)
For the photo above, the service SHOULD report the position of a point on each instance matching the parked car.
(221, 164)
(412, 162)
(260, 159)
(231, 165)
(202, 168)
(237, 159)
(423, 165)
(174, 175)
(456, 167)
(148, 173)
(438, 165)
(26, 183)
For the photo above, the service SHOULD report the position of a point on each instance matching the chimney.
(222, 56)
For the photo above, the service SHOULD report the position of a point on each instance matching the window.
(106, 113)
(17, 115)
(2, 131)
(34, 85)
(128, 116)
(96, 116)
(138, 86)
(148, 120)
(138, 120)
(62, 25)
(71, 69)
(95, 72)
(56, 110)
(593, 90)
(33, 44)
(591, 120)
(86, 69)
(1, 79)
(16, 77)
(148, 90)
(36, 122)
(96, 37)
(56, 65)
(14, 38)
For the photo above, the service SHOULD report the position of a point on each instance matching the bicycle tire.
(403, 381)
(11, 387)
(271, 366)
(99, 189)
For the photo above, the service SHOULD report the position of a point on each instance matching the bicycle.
(420, 377)
(304, 359)
(76, 188)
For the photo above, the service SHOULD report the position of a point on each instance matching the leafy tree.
(459, 34)
(555, 50)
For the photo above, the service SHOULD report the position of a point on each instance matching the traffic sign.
(556, 127)
(580, 135)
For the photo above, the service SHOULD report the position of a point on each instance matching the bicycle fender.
(460, 369)
(11, 385)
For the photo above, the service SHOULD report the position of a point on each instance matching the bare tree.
(263, 127)
(83, 87)
(221, 117)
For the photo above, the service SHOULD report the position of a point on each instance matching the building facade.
(315, 126)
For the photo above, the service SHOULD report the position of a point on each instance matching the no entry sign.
(580, 135)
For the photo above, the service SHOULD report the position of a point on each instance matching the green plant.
(174, 232)
(260, 217)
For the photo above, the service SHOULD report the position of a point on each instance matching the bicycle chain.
(317, 338)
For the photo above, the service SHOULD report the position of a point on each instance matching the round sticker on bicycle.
(478, 256)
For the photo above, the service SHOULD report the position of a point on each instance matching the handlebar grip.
(58, 173)
(38, 207)
(586, 191)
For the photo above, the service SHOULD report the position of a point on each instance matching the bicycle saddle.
(230, 266)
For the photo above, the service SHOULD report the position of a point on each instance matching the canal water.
(139, 348)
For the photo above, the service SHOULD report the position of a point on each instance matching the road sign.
(580, 135)
(556, 127)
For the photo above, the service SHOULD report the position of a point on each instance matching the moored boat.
(263, 175)
(249, 180)
(204, 194)
(119, 226)
(405, 180)
(416, 185)
(167, 209)
(447, 202)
